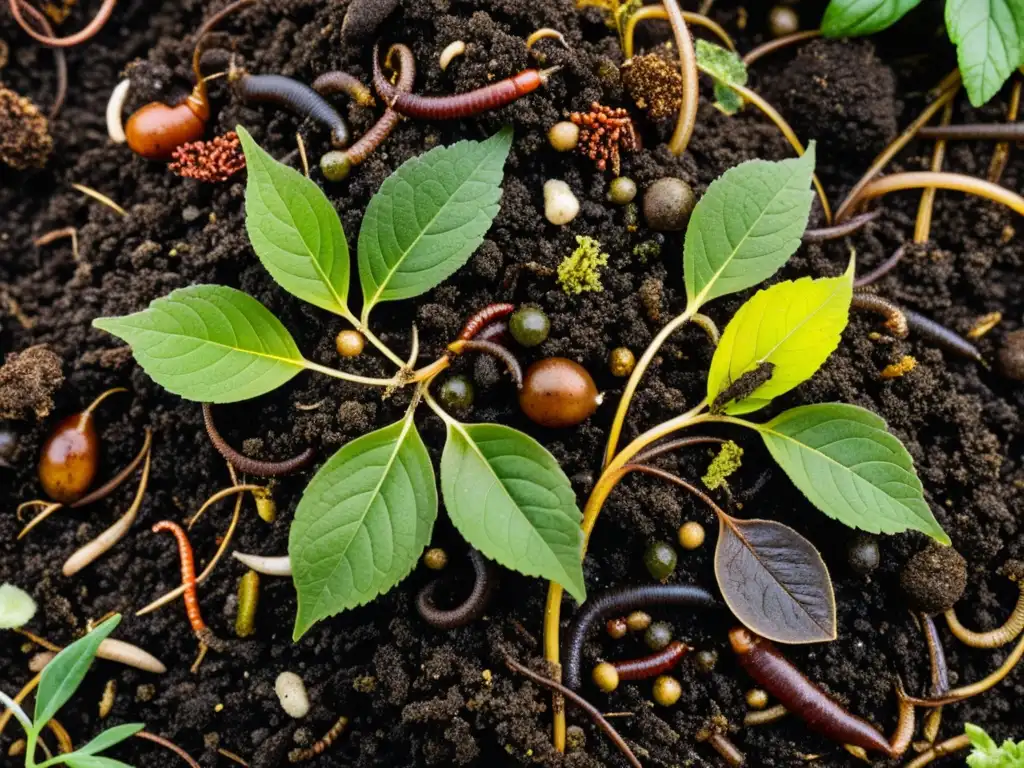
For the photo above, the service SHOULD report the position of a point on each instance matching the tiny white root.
(130, 655)
(115, 107)
(269, 566)
(450, 52)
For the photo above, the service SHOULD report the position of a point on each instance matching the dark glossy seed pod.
(529, 326)
(658, 635)
(660, 559)
(558, 392)
(456, 393)
(70, 458)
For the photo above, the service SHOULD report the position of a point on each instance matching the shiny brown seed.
(350, 343)
(621, 362)
(558, 392)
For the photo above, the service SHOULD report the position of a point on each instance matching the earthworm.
(494, 350)
(488, 314)
(300, 755)
(94, 26)
(462, 104)
(653, 665)
(882, 269)
(974, 132)
(896, 319)
(941, 336)
(469, 610)
(339, 81)
(580, 702)
(147, 736)
(766, 716)
(494, 332)
(295, 96)
(615, 602)
(188, 580)
(60, 62)
(836, 231)
(777, 675)
(994, 638)
(253, 466)
(968, 691)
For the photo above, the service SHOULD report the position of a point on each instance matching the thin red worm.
(895, 318)
(373, 138)
(146, 735)
(253, 466)
(60, 61)
(836, 231)
(318, 748)
(488, 314)
(458, 105)
(495, 332)
(777, 675)
(340, 81)
(974, 132)
(473, 606)
(580, 702)
(653, 665)
(882, 269)
(94, 26)
(188, 572)
(494, 350)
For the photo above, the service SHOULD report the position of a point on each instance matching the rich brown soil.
(417, 696)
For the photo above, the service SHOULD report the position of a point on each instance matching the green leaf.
(725, 67)
(989, 39)
(986, 754)
(209, 343)
(774, 581)
(509, 498)
(362, 522)
(110, 738)
(62, 676)
(76, 760)
(428, 217)
(295, 230)
(16, 607)
(794, 326)
(852, 18)
(850, 467)
(746, 226)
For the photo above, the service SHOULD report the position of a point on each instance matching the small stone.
(1011, 355)
(145, 692)
(564, 136)
(934, 579)
(668, 204)
(560, 204)
(291, 692)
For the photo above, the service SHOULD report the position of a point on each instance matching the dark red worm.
(339, 81)
(653, 665)
(777, 675)
(473, 606)
(895, 318)
(253, 466)
(974, 131)
(295, 96)
(462, 104)
(495, 332)
(942, 336)
(847, 227)
(370, 140)
(882, 269)
(620, 601)
(488, 314)
(494, 350)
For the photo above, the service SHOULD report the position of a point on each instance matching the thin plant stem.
(1001, 154)
(969, 691)
(14, 708)
(947, 747)
(145, 735)
(658, 12)
(383, 348)
(772, 114)
(947, 90)
(923, 225)
(13, 711)
(956, 182)
(691, 92)
(779, 43)
(369, 381)
(99, 196)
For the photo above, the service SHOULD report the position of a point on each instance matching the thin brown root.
(64, 743)
(222, 494)
(840, 230)
(994, 638)
(302, 154)
(203, 649)
(923, 224)
(691, 91)
(779, 43)
(29, 504)
(117, 480)
(882, 269)
(969, 691)
(60, 61)
(147, 736)
(956, 182)
(59, 234)
(100, 197)
(47, 511)
(232, 757)
(659, 12)
(948, 747)
(1001, 154)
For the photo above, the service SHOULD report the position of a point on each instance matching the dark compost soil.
(416, 696)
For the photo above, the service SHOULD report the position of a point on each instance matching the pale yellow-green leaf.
(794, 325)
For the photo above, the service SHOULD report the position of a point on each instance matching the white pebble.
(291, 691)
(560, 204)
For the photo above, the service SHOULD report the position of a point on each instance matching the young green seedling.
(986, 754)
(58, 682)
(989, 35)
(368, 513)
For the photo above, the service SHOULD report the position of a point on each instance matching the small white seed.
(450, 52)
(560, 204)
(564, 136)
(291, 692)
(115, 106)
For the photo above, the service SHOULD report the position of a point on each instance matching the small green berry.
(658, 635)
(335, 165)
(622, 190)
(456, 393)
(529, 326)
(667, 691)
(660, 559)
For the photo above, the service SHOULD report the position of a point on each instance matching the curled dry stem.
(923, 224)
(94, 26)
(779, 43)
(1001, 154)
(993, 638)
(58, 234)
(659, 12)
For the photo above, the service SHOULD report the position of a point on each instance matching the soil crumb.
(934, 579)
(27, 382)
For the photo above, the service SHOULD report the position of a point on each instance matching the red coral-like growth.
(211, 161)
(604, 132)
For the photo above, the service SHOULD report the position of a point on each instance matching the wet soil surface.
(416, 696)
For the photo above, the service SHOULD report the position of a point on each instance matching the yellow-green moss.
(728, 460)
(581, 270)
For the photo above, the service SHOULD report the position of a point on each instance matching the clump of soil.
(934, 579)
(27, 382)
(25, 140)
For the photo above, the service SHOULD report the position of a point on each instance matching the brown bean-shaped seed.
(156, 129)
(558, 392)
(70, 459)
